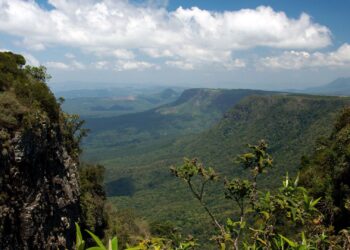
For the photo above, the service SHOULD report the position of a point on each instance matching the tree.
(263, 218)
(327, 173)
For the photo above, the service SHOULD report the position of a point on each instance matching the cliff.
(39, 191)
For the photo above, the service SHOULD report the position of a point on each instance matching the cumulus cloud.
(123, 54)
(191, 36)
(180, 65)
(303, 59)
(57, 65)
(122, 65)
(101, 65)
(73, 65)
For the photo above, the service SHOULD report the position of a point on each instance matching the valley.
(212, 124)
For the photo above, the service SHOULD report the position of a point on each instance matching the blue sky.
(253, 44)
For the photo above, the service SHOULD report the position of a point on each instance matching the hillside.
(194, 111)
(290, 123)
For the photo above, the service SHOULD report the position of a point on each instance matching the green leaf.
(114, 244)
(303, 238)
(290, 242)
(97, 240)
(223, 246)
(262, 241)
(79, 237)
(266, 214)
(80, 243)
(296, 182)
(314, 203)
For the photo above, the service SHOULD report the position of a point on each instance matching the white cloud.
(77, 65)
(101, 65)
(192, 35)
(303, 59)
(180, 65)
(122, 65)
(32, 45)
(123, 54)
(157, 53)
(57, 65)
(237, 63)
(73, 65)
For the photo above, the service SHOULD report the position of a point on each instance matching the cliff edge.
(39, 191)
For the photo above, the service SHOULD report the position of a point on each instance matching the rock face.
(39, 198)
(39, 148)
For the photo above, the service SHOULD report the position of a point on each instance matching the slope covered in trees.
(326, 173)
(194, 111)
(290, 123)
(289, 217)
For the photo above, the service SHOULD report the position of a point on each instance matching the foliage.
(327, 173)
(10, 69)
(11, 111)
(26, 100)
(146, 244)
(73, 133)
(28, 105)
(80, 242)
(286, 219)
(99, 216)
(92, 198)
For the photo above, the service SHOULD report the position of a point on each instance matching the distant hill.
(339, 87)
(114, 102)
(194, 111)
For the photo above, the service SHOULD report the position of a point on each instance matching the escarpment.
(39, 191)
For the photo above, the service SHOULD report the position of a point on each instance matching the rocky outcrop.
(39, 148)
(39, 192)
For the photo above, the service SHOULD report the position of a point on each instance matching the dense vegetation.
(195, 111)
(137, 177)
(327, 174)
(26, 101)
(286, 218)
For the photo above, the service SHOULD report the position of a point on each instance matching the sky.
(276, 44)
